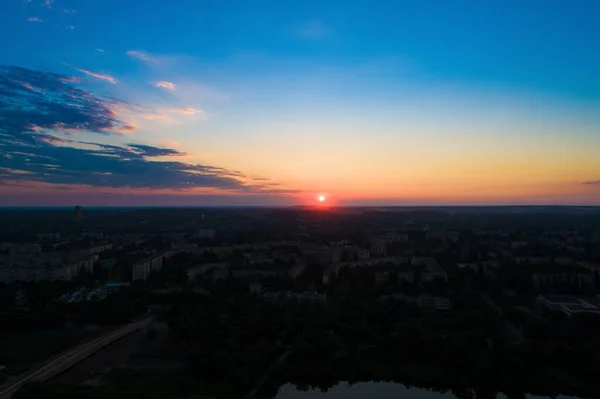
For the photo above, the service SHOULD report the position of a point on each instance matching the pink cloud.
(64, 128)
(34, 19)
(126, 129)
(170, 143)
(163, 84)
(154, 116)
(52, 139)
(34, 128)
(187, 111)
(96, 75)
(28, 86)
(167, 119)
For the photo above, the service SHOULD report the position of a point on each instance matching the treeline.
(461, 350)
(229, 341)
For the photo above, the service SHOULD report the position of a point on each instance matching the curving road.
(516, 334)
(69, 358)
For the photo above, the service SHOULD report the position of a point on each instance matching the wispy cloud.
(126, 129)
(70, 79)
(32, 151)
(150, 151)
(51, 102)
(34, 19)
(157, 117)
(97, 75)
(139, 55)
(70, 12)
(157, 61)
(100, 50)
(163, 84)
(170, 143)
(70, 27)
(17, 171)
(592, 183)
(187, 111)
(314, 29)
(48, 3)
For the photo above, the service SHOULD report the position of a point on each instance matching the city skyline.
(362, 103)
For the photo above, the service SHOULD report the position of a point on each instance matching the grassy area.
(18, 351)
(145, 385)
(156, 383)
(121, 384)
(152, 372)
(149, 374)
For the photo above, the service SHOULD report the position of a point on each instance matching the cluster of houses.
(306, 296)
(425, 301)
(400, 268)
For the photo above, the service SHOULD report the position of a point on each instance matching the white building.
(356, 253)
(570, 305)
(321, 254)
(378, 246)
(50, 266)
(434, 270)
(141, 270)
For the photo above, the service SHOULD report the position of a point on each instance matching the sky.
(276, 103)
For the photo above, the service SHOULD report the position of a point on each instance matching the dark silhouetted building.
(78, 213)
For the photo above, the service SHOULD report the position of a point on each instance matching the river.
(376, 390)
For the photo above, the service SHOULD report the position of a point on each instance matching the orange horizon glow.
(549, 193)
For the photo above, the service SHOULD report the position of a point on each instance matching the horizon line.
(311, 206)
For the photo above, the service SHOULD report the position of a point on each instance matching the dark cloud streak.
(150, 151)
(40, 114)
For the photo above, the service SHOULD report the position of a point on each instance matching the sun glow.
(321, 198)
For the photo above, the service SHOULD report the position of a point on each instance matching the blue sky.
(365, 102)
(475, 41)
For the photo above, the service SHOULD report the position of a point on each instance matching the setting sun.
(321, 198)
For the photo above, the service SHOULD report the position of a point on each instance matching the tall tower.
(78, 213)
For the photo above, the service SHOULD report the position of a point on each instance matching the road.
(511, 328)
(263, 378)
(69, 358)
